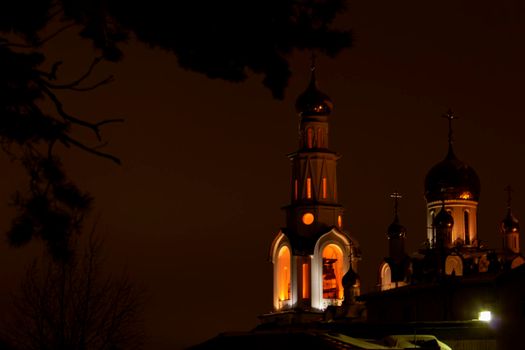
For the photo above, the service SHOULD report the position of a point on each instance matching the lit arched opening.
(283, 274)
(309, 187)
(454, 266)
(386, 277)
(332, 272)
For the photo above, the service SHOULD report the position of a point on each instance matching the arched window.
(454, 265)
(309, 138)
(308, 187)
(283, 274)
(320, 138)
(332, 272)
(386, 277)
(432, 237)
(467, 228)
(324, 187)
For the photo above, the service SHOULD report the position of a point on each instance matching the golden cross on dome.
(450, 116)
(313, 81)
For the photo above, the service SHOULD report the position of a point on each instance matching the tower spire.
(396, 196)
(312, 102)
(509, 191)
(313, 79)
(396, 230)
(450, 116)
(510, 227)
(312, 61)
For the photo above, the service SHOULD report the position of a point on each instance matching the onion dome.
(451, 179)
(313, 102)
(510, 224)
(396, 230)
(443, 219)
(351, 279)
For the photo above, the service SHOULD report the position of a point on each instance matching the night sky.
(193, 209)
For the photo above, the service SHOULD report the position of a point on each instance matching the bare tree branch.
(105, 81)
(42, 41)
(78, 121)
(91, 150)
(83, 77)
(51, 75)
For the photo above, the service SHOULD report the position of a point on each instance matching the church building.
(452, 247)
(427, 299)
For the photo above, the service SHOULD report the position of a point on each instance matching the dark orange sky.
(195, 205)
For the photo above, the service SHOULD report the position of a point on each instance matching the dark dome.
(510, 223)
(313, 102)
(396, 230)
(351, 279)
(443, 219)
(451, 179)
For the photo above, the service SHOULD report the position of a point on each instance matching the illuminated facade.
(312, 254)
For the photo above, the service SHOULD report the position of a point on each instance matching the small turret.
(510, 228)
(443, 224)
(396, 233)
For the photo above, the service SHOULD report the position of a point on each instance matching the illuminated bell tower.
(312, 253)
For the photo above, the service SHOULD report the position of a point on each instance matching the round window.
(308, 218)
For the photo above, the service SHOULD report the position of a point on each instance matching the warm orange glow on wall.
(309, 137)
(320, 139)
(308, 218)
(465, 195)
(324, 187)
(306, 281)
(308, 188)
(332, 272)
(339, 221)
(283, 273)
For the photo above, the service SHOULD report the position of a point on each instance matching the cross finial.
(396, 196)
(313, 81)
(509, 191)
(450, 116)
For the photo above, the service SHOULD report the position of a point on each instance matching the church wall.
(457, 209)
